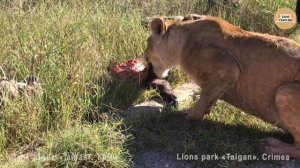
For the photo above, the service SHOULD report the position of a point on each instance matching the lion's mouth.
(150, 74)
(162, 85)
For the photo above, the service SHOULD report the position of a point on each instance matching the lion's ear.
(157, 26)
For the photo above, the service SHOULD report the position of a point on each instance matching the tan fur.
(11, 89)
(258, 73)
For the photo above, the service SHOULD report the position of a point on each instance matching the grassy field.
(70, 46)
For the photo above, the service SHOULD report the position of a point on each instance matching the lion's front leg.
(208, 99)
(217, 83)
(216, 73)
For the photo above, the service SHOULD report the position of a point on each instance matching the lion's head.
(153, 53)
(157, 42)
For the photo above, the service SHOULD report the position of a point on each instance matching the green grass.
(99, 145)
(71, 45)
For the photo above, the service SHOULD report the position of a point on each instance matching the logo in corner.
(285, 18)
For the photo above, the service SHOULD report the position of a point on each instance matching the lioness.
(258, 73)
